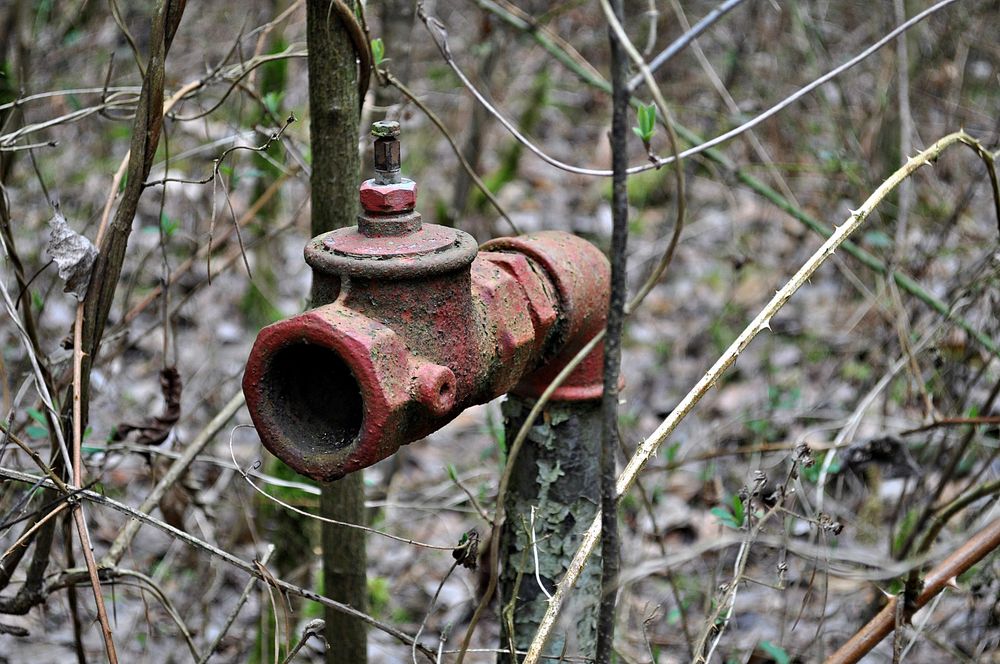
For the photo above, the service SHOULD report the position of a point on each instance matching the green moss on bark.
(557, 474)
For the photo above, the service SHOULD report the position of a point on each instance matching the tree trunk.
(334, 117)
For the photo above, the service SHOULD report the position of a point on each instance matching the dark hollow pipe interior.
(315, 398)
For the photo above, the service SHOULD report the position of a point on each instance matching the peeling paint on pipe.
(415, 325)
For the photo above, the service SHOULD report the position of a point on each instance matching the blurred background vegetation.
(860, 367)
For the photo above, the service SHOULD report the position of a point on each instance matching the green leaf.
(725, 517)
(167, 225)
(37, 416)
(36, 432)
(378, 51)
(776, 652)
(877, 239)
(452, 473)
(272, 101)
(646, 116)
(738, 511)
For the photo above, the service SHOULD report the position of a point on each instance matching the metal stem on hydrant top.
(416, 324)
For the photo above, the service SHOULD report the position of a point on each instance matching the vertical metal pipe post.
(553, 496)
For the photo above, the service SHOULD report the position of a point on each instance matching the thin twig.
(70, 92)
(440, 37)
(614, 12)
(203, 251)
(44, 467)
(231, 618)
(217, 162)
(715, 622)
(312, 630)
(227, 557)
(648, 448)
(318, 517)
(38, 374)
(664, 110)
(975, 549)
(432, 116)
(678, 44)
(430, 608)
(953, 422)
(31, 531)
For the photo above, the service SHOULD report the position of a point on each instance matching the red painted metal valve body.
(419, 326)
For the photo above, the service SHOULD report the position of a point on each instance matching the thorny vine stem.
(904, 281)
(648, 448)
(978, 547)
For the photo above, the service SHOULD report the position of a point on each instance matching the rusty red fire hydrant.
(417, 324)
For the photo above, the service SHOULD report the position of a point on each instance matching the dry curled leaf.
(73, 254)
(156, 429)
(467, 550)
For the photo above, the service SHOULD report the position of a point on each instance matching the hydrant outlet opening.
(318, 396)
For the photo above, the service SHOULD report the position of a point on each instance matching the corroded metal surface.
(413, 328)
(582, 277)
(393, 359)
(388, 197)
